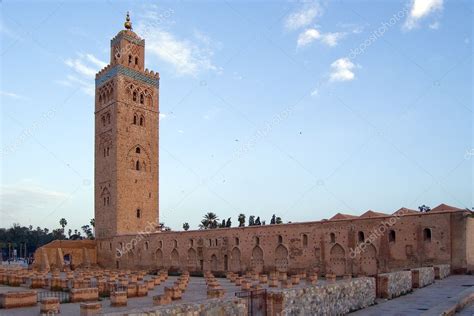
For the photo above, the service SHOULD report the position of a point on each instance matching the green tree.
(210, 221)
(63, 222)
(278, 220)
(241, 220)
(228, 223)
(186, 226)
(251, 220)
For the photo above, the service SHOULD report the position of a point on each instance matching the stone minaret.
(126, 140)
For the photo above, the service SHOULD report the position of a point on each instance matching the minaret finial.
(128, 24)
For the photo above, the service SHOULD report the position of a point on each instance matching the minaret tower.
(126, 140)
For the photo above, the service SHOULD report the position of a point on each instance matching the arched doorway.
(159, 258)
(192, 259)
(257, 259)
(338, 260)
(67, 259)
(175, 258)
(235, 260)
(213, 263)
(368, 260)
(281, 258)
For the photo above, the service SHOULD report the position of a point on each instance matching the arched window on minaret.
(103, 120)
(138, 213)
(137, 165)
(135, 96)
(142, 121)
(136, 60)
(142, 98)
(108, 118)
(135, 119)
(129, 59)
(137, 150)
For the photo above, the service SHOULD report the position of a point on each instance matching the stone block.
(118, 298)
(442, 271)
(49, 306)
(18, 299)
(422, 277)
(84, 295)
(161, 299)
(394, 284)
(90, 309)
(142, 290)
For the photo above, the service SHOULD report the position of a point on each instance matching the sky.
(296, 108)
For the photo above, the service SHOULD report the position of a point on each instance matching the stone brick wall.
(422, 277)
(213, 307)
(290, 247)
(329, 299)
(394, 284)
(470, 243)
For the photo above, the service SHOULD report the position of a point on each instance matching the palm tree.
(241, 220)
(92, 222)
(209, 221)
(63, 222)
(186, 226)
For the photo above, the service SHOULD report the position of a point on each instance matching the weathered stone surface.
(391, 285)
(329, 299)
(442, 271)
(18, 299)
(85, 294)
(212, 307)
(422, 277)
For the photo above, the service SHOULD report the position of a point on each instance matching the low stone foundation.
(329, 299)
(442, 271)
(227, 307)
(394, 284)
(85, 295)
(18, 299)
(422, 277)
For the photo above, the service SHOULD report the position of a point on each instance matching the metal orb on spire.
(128, 24)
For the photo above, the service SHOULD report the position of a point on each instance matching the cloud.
(25, 198)
(85, 66)
(331, 39)
(13, 95)
(420, 9)
(162, 116)
(302, 18)
(310, 35)
(187, 56)
(434, 25)
(307, 37)
(342, 70)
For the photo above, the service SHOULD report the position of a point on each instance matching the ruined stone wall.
(228, 307)
(394, 284)
(330, 299)
(79, 252)
(326, 246)
(422, 277)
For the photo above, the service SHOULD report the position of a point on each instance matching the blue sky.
(302, 109)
